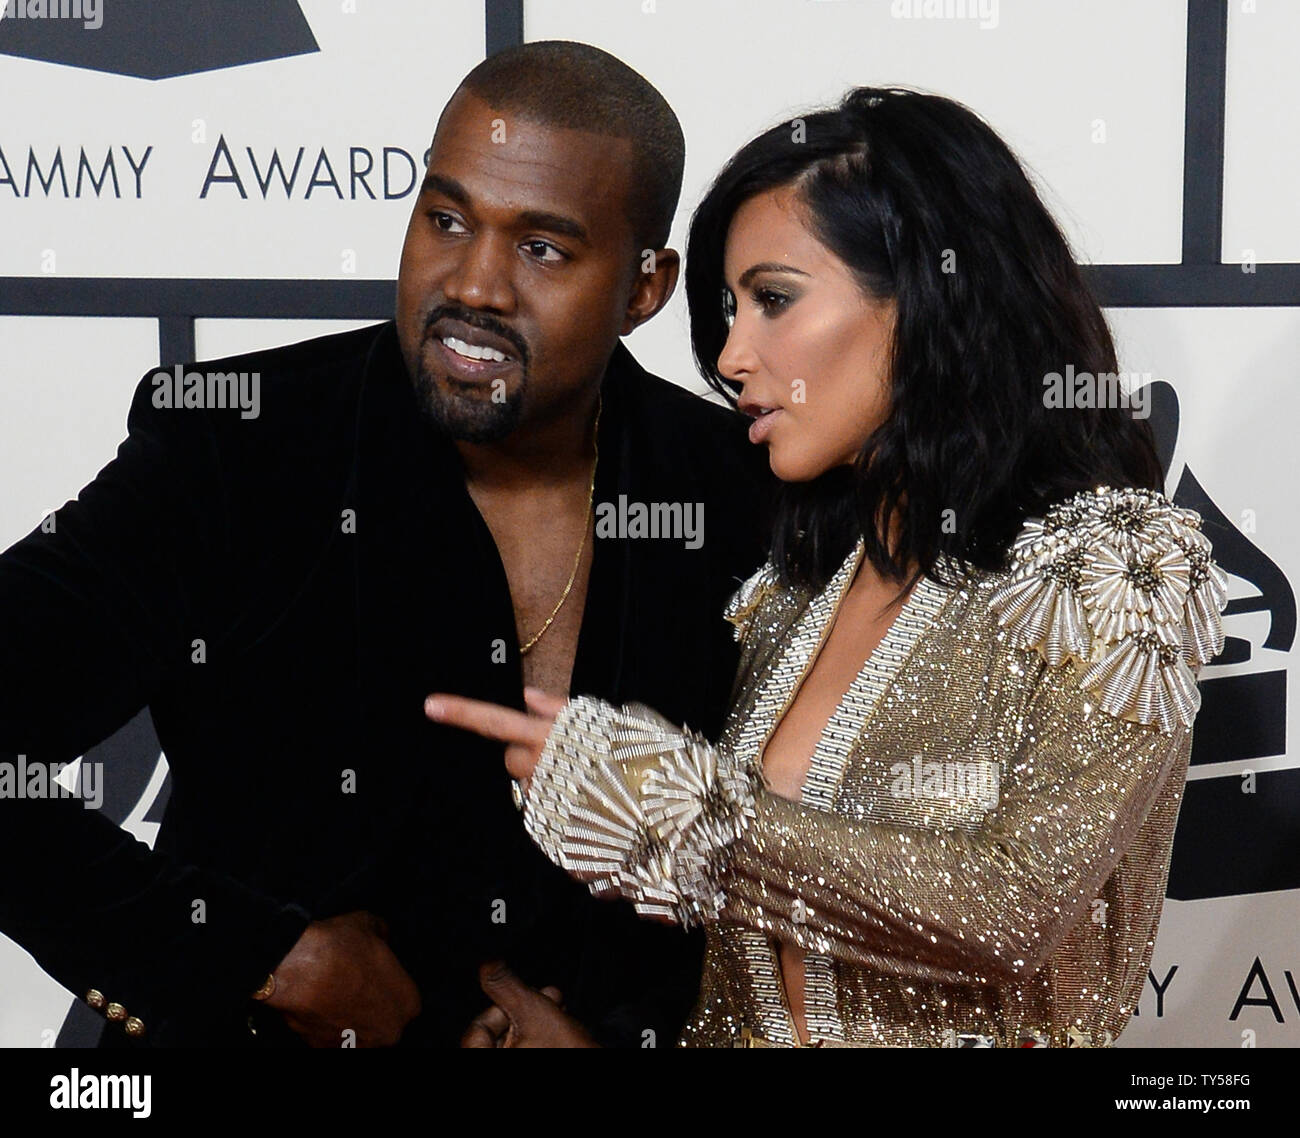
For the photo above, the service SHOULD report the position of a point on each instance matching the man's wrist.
(290, 927)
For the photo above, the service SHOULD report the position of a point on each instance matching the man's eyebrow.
(555, 223)
(529, 218)
(767, 267)
(448, 187)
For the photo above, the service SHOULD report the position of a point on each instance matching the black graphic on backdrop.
(129, 758)
(1229, 842)
(161, 39)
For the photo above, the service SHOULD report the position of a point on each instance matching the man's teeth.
(473, 351)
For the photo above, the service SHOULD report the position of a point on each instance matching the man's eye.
(544, 251)
(446, 222)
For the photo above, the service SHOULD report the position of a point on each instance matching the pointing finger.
(490, 720)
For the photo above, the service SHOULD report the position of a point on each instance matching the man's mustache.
(486, 323)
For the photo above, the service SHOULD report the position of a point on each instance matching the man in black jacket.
(486, 492)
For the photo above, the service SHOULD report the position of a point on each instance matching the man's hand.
(342, 977)
(521, 1016)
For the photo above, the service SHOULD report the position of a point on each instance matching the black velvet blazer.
(282, 592)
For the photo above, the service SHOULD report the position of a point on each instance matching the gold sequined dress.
(981, 848)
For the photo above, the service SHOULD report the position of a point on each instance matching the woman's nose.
(735, 361)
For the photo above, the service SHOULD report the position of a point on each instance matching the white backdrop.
(1091, 95)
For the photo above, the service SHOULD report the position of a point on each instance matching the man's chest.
(547, 551)
(549, 621)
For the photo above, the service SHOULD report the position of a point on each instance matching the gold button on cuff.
(115, 1012)
(134, 1027)
(96, 999)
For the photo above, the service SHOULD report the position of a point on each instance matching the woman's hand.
(524, 734)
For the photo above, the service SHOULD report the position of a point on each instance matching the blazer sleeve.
(100, 607)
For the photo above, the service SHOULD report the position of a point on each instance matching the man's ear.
(656, 278)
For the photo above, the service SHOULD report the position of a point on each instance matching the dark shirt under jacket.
(322, 632)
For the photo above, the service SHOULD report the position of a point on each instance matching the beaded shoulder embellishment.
(1122, 584)
(748, 598)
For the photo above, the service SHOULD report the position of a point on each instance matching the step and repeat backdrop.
(172, 148)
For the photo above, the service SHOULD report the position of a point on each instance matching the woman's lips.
(761, 427)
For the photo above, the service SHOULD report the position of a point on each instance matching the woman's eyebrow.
(767, 267)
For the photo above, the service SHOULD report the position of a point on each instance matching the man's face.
(516, 271)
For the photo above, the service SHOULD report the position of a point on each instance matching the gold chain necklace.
(577, 561)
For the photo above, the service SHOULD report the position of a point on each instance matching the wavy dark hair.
(899, 185)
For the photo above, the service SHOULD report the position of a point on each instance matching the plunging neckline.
(840, 708)
(862, 696)
(849, 718)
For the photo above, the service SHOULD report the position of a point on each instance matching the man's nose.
(481, 277)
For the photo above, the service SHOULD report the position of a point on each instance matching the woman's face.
(810, 348)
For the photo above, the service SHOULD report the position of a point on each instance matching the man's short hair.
(574, 86)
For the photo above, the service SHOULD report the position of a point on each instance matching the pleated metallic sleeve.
(636, 807)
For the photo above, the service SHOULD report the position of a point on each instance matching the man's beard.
(470, 418)
(473, 415)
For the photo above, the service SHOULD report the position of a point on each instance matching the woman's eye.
(770, 302)
(544, 251)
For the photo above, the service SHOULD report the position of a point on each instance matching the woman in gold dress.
(941, 810)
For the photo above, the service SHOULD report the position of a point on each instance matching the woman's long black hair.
(929, 207)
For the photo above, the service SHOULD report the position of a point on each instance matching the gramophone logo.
(1238, 831)
(154, 39)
